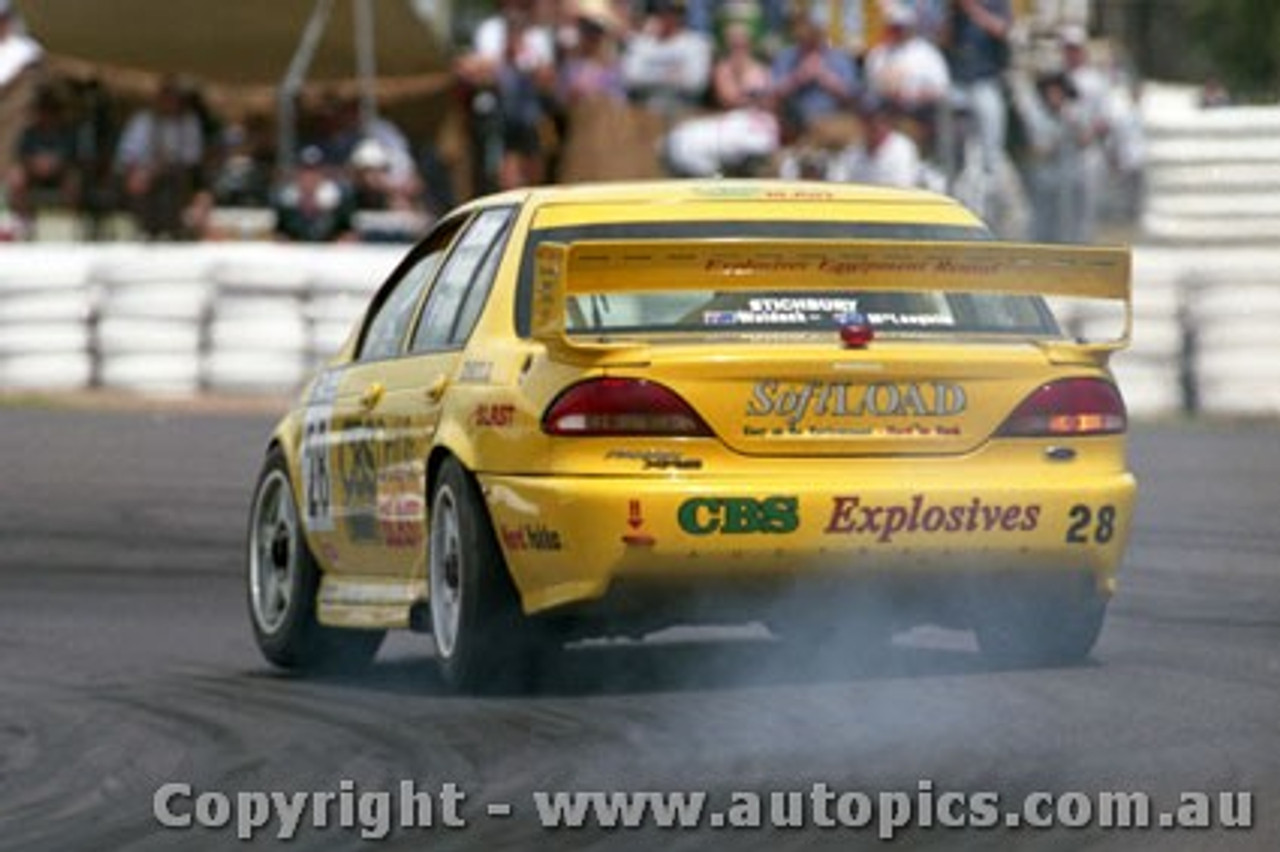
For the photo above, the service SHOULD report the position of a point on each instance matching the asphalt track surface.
(126, 662)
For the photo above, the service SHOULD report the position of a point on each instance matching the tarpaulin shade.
(229, 41)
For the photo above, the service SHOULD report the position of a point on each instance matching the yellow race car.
(837, 410)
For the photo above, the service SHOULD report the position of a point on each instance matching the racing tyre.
(283, 579)
(484, 643)
(1054, 625)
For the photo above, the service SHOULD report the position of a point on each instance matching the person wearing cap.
(1093, 101)
(906, 69)
(884, 156)
(314, 207)
(667, 66)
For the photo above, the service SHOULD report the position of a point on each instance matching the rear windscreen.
(725, 312)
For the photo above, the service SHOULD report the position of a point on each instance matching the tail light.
(622, 407)
(1068, 407)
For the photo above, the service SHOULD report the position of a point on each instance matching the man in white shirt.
(1093, 102)
(667, 66)
(885, 156)
(906, 69)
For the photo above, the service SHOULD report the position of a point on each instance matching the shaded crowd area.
(1032, 123)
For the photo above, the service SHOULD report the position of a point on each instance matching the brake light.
(1068, 407)
(611, 406)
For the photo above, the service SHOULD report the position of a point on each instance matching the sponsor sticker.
(317, 468)
(739, 515)
(475, 373)
(851, 515)
(797, 402)
(531, 537)
(656, 459)
(494, 415)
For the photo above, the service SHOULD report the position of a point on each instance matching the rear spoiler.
(637, 266)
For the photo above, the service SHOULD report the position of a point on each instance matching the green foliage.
(1242, 38)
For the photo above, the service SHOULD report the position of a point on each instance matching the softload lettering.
(851, 516)
(796, 401)
(739, 515)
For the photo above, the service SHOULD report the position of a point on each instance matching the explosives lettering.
(851, 516)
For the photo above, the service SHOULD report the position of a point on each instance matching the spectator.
(1058, 133)
(511, 35)
(811, 80)
(159, 159)
(333, 126)
(667, 66)
(884, 156)
(593, 68)
(740, 80)
(96, 127)
(511, 66)
(906, 69)
(978, 51)
(46, 167)
(243, 177)
(376, 185)
(1093, 101)
(19, 56)
(313, 207)
(19, 52)
(240, 179)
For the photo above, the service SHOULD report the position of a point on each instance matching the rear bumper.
(571, 540)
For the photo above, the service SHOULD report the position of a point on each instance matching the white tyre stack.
(1150, 370)
(257, 335)
(341, 291)
(46, 302)
(152, 311)
(1239, 347)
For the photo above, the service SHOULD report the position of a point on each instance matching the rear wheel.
(483, 640)
(283, 579)
(1056, 623)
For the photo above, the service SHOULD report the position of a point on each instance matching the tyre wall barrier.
(179, 319)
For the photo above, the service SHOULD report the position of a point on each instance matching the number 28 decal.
(1090, 525)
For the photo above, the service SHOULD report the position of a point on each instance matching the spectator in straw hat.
(593, 67)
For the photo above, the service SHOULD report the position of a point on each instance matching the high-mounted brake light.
(1068, 407)
(610, 406)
